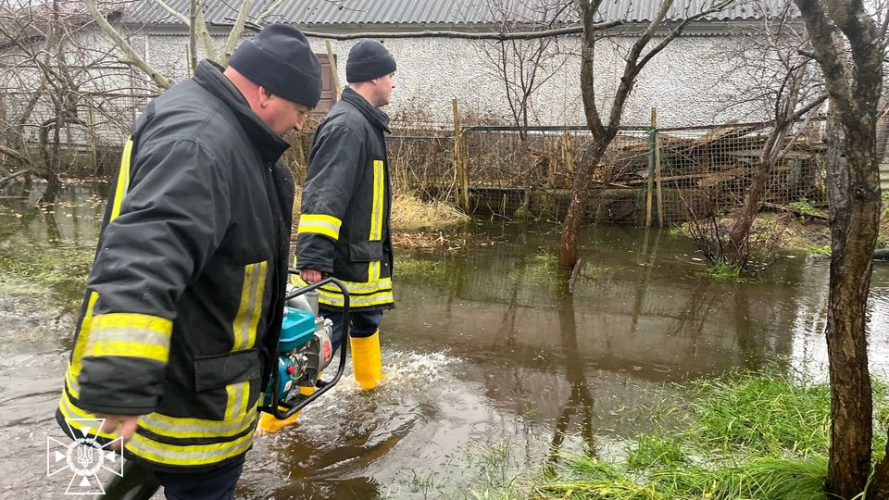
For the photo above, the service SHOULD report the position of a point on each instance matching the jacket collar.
(270, 145)
(374, 115)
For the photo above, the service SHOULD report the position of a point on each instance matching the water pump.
(304, 351)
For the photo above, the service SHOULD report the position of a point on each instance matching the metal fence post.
(460, 164)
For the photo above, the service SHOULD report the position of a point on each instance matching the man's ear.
(263, 95)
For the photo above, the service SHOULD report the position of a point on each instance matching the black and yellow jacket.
(344, 226)
(186, 290)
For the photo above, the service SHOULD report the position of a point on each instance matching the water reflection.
(486, 350)
(580, 401)
(73, 221)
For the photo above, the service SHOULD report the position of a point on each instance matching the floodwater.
(491, 369)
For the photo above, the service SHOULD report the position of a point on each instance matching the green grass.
(745, 437)
(651, 451)
(723, 272)
(62, 272)
(426, 271)
(762, 414)
(805, 207)
(819, 249)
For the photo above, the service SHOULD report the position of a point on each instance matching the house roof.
(343, 14)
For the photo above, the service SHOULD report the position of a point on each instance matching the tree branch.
(824, 40)
(273, 7)
(173, 12)
(131, 55)
(204, 34)
(234, 36)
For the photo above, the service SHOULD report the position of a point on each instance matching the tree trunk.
(752, 204)
(580, 193)
(854, 217)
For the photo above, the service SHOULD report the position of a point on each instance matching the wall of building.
(690, 82)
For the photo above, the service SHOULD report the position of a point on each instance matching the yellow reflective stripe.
(327, 225)
(360, 287)
(123, 179)
(129, 349)
(82, 336)
(130, 335)
(71, 412)
(257, 305)
(236, 403)
(376, 218)
(73, 385)
(376, 299)
(373, 270)
(250, 308)
(202, 454)
(362, 294)
(189, 428)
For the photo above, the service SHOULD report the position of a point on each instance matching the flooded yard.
(492, 370)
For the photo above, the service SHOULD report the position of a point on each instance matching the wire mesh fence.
(93, 127)
(646, 173)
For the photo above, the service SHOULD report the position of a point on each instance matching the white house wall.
(688, 82)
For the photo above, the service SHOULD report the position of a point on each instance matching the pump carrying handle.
(322, 386)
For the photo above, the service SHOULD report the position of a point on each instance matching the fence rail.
(671, 170)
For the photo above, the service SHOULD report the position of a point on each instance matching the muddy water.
(492, 370)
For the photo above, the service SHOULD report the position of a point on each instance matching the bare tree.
(604, 132)
(847, 46)
(46, 70)
(524, 66)
(198, 30)
(787, 88)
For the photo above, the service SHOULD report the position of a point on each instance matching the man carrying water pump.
(185, 300)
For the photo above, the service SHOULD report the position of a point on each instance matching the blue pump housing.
(297, 329)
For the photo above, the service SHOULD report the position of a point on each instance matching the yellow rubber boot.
(268, 424)
(367, 359)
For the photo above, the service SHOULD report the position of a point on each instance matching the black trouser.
(215, 484)
(361, 324)
(140, 483)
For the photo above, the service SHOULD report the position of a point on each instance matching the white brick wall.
(687, 82)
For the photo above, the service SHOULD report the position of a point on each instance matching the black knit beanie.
(279, 58)
(368, 59)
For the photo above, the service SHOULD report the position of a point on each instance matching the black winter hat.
(279, 58)
(368, 59)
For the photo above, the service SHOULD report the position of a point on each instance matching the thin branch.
(173, 12)
(14, 174)
(273, 7)
(131, 55)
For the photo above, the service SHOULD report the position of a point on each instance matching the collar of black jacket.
(373, 115)
(271, 146)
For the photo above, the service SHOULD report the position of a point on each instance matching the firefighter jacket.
(344, 226)
(185, 296)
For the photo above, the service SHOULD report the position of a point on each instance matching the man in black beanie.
(344, 227)
(185, 299)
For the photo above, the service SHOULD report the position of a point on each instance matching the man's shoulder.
(344, 116)
(190, 113)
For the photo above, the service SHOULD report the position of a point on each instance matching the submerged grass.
(59, 271)
(746, 436)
